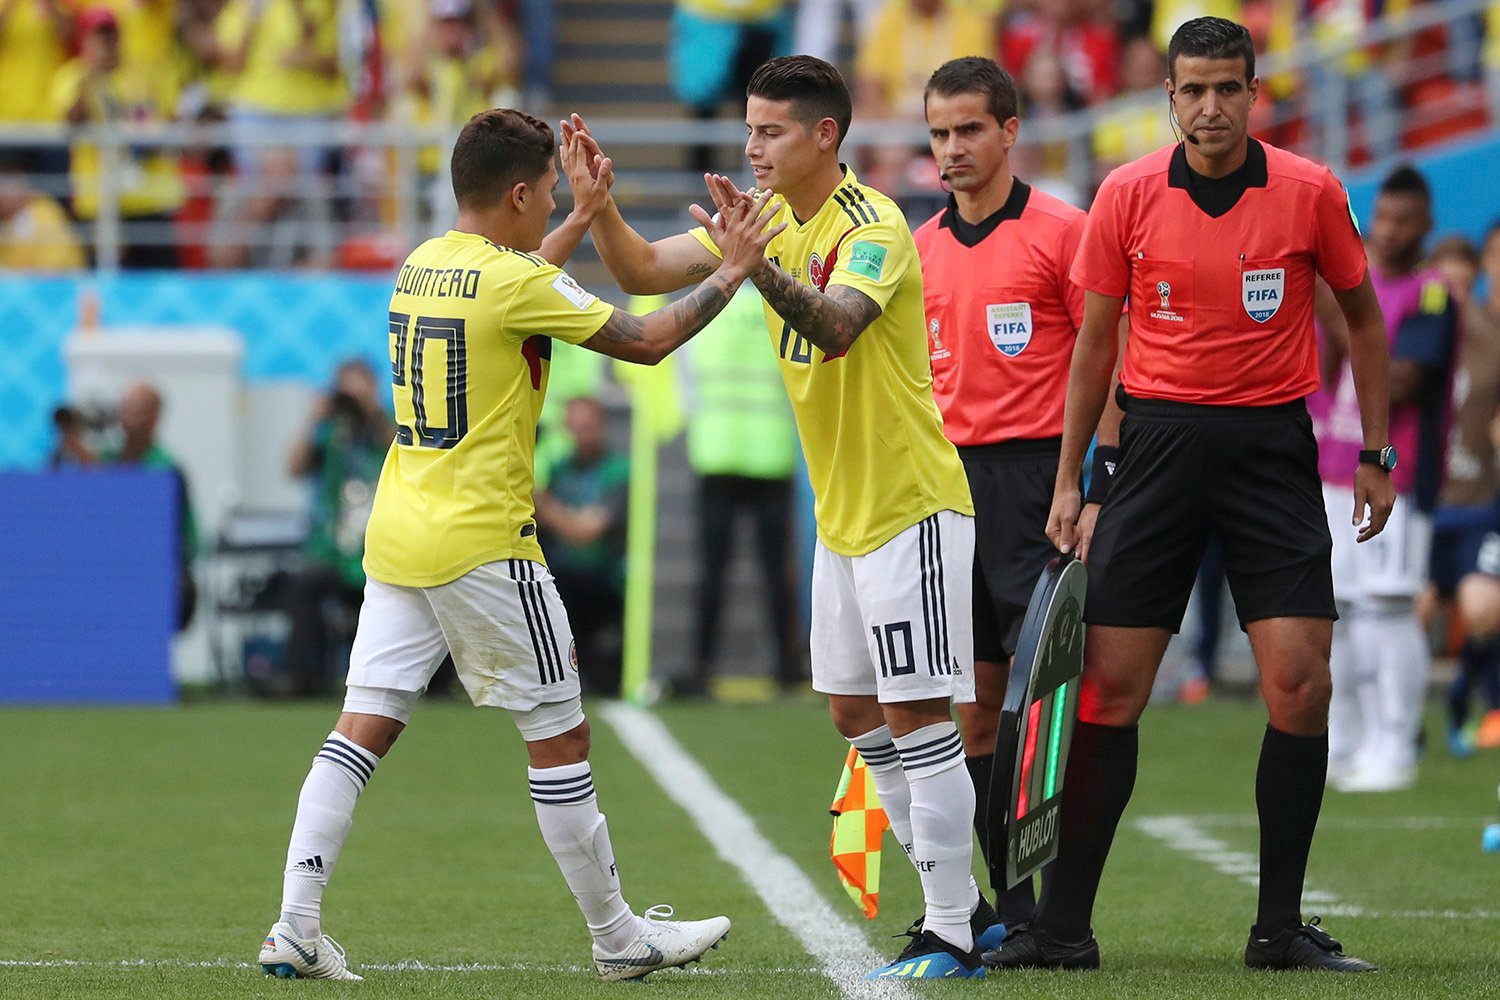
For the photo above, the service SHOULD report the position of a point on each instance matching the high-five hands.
(738, 229)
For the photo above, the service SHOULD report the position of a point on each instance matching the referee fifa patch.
(1262, 292)
(866, 260)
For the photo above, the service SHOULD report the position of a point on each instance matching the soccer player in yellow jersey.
(451, 551)
(891, 631)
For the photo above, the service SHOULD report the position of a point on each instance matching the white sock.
(1345, 727)
(567, 811)
(942, 818)
(884, 765)
(325, 811)
(1391, 635)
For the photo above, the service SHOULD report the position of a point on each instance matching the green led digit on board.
(1054, 740)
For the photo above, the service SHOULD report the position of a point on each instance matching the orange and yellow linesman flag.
(858, 828)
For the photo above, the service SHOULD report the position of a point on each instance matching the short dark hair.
(497, 150)
(1406, 179)
(1211, 38)
(976, 75)
(816, 89)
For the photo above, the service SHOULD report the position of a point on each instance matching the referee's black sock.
(1016, 905)
(1288, 796)
(1100, 778)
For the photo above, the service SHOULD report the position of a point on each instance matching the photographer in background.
(341, 458)
(140, 412)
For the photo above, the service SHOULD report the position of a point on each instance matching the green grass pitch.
(143, 852)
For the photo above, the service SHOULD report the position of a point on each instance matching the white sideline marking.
(1356, 823)
(1186, 834)
(405, 966)
(838, 945)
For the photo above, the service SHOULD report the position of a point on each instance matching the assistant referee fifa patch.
(866, 260)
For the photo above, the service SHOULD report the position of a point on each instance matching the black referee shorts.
(1011, 483)
(1244, 473)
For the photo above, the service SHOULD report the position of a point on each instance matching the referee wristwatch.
(1383, 457)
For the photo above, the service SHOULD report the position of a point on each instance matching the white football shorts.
(1392, 564)
(896, 623)
(503, 622)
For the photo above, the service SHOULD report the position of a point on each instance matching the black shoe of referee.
(1305, 947)
(1034, 948)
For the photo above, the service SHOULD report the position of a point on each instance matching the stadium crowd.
(280, 66)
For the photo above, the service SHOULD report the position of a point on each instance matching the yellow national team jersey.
(470, 335)
(872, 435)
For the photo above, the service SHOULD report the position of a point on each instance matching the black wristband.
(1106, 461)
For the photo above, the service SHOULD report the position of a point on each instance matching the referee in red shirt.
(1002, 318)
(1217, 242)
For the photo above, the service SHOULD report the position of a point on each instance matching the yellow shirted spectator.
(1168, 15)
(1139, 121)
(99, 87)
(287, 56)
(289, 80)
(34, 230)
(34, 39)
(458, 71)
(910, 39)
(148, 38)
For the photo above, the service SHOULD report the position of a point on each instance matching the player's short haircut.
(816, 89)
(1211, 38)
(976, 75)
(497, 150)
(1406, 179)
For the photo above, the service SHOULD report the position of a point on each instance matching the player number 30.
(430, 361)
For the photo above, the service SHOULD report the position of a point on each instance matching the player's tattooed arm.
(832, 320)
(647, 339)
(741, 234)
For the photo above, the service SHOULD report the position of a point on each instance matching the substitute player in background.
(891, 641)
(1002, 318)
(1380, 655)
(451, 550)
(1218, 242)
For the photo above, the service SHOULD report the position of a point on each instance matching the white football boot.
(661, 943)
(287, 956)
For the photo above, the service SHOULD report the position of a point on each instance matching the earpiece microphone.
(1176, 125)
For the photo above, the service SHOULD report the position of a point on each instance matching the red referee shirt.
(1002, 316)
(1221, 307)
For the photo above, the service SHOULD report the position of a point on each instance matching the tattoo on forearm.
(696, 269)
(687, 315)
(623, 328)
(831, 320)
(691, 314)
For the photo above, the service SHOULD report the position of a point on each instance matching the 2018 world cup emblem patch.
(1262, 292)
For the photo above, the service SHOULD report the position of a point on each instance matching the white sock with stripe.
(884, 764)
(942, 817)
(567, 810)
(325, 811)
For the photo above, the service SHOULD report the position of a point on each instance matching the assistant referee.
(1217, 241)
(1002, 318)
